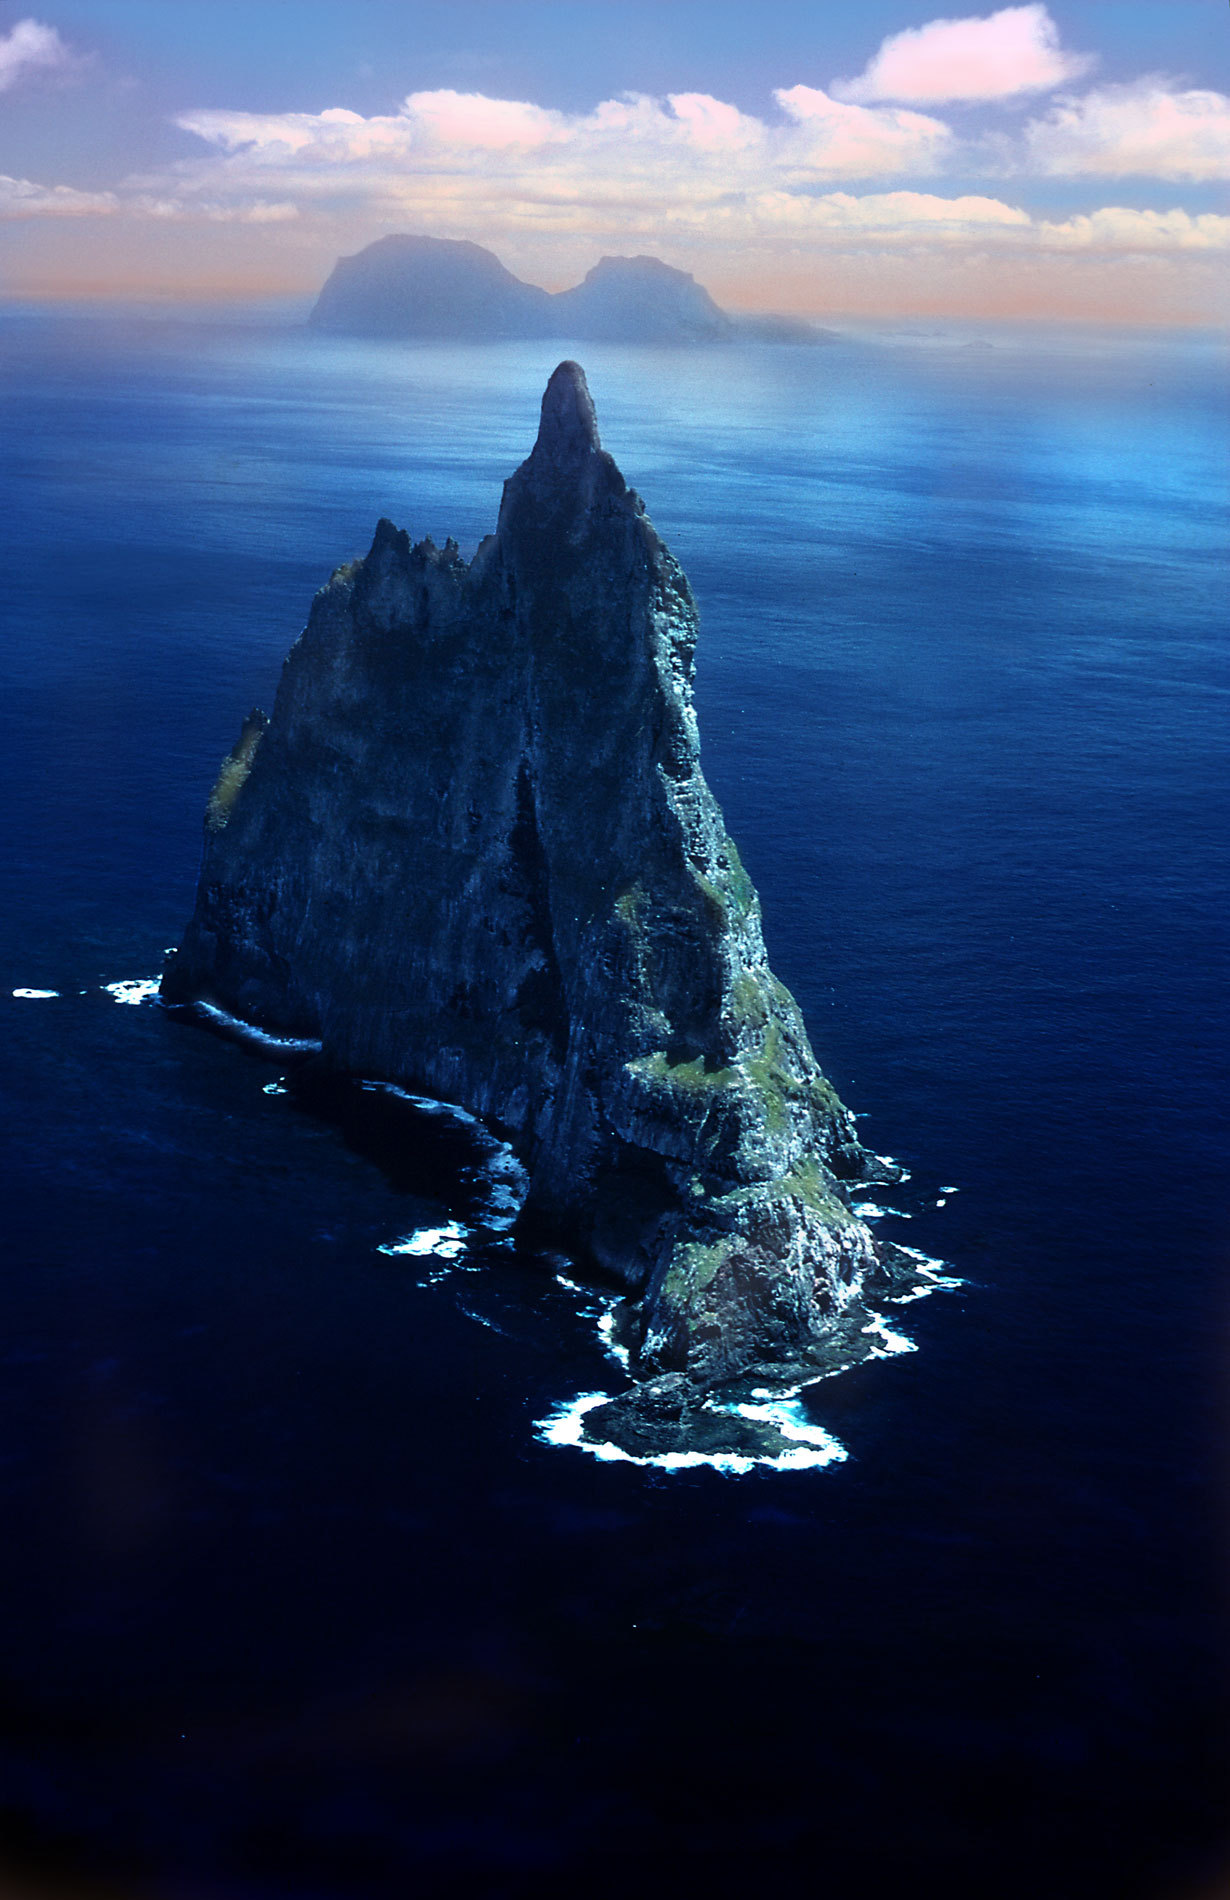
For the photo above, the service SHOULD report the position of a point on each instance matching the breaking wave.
(812, 1448)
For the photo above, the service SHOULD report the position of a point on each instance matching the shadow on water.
(423, 1147)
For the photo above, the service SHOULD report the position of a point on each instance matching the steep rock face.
(473, 852)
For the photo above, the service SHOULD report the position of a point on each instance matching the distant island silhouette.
(406, 286)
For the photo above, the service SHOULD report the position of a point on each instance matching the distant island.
(448, 288)
(473, 854)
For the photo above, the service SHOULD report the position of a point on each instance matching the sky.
(882, 159)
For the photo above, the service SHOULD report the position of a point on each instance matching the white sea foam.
(428, 1104)
(33, 995)
(505, 1187)
(871, 1210)
(248, 1032)
(772, 1405)
(483, 1320)
(933, 1271)
(950, 1190)
(133, 989)
(275, 1088)
(929, 1270)
(890, 1161)
(813, 1447)
(890, 1343)
(606, 1333)
(446, 1242)
(592, 1305)
(503, 1181)
(792, 1422)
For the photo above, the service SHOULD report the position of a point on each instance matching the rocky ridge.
(473, 853)
(406, 286)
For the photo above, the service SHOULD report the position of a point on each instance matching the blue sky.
(799, 156)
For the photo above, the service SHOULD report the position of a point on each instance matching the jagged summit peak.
(569, 426)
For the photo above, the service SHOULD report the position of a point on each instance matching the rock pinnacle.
(569, 427)
(473, 853)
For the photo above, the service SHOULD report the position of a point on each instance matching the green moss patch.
(235, 768)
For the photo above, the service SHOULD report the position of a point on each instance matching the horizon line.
(219, 296)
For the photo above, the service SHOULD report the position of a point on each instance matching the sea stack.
(472, 852)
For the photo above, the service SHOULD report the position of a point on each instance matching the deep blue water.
(295, 1601)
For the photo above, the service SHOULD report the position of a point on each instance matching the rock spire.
(473, 852)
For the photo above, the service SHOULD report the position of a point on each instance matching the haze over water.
(297, 1601)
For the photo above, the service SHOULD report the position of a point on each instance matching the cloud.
(689, 176)
(887, 216)
(628, 147)
(1144, 129)
(22, 198)
(851, 141)
(1116, 228)
(180, 210)
(1000, 56)
(488, 125)
(28, 47)
(688, 171)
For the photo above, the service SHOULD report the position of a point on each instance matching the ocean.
(299, 1598)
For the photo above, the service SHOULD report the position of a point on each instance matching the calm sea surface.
(295, 1600)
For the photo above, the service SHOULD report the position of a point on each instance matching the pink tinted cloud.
(1000, 56)
(471, 119)
(1145, 129)
(713, 125)
(853, 141)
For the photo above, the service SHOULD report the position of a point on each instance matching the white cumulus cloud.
(999, 56)
(688, 175)
(28, 47)
(634, 144)
(1145, 129)
(260, 211)
(487, 125)
(22, 198)
(839, 218)
(853, 141)
(1117, 228)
